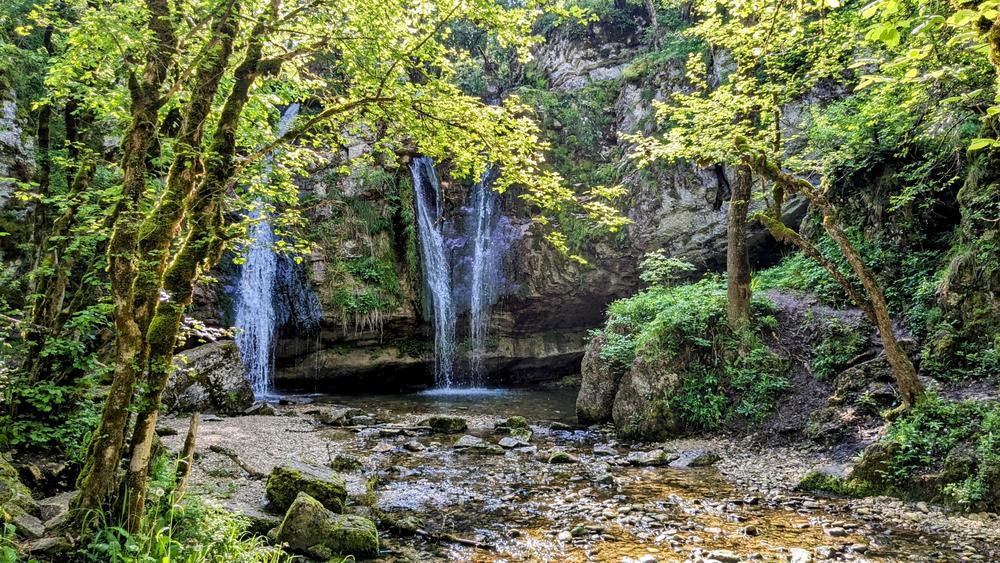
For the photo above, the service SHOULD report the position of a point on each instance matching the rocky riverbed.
(500, 490)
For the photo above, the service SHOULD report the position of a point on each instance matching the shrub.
(723, 374)
(839, 345)
(956, 441)
(190, 530)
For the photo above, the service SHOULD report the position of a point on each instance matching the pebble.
(414, 446)
(799, 555)
(724, 556)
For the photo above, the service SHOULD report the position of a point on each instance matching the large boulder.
(445, 424)
(311, 529)
(284, 484)
(209, 378)
(640, 408)
(599, 385)
(16, 504)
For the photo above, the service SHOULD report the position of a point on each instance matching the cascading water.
(272, 293)
(255, 315)
(462, 268)
(489, 245)
(437, 270)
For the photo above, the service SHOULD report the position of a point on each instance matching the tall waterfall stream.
(463, 269)
(272, 293)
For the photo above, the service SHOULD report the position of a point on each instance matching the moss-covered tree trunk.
(57, 263)
(161, 226)
(99, 477)
(873, 302)
(737, 255)
(198, 251)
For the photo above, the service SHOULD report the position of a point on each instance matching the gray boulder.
(468, 444)
(309, 528)
(640, 411)
(209, 378)
(598, 386)
(652, 458)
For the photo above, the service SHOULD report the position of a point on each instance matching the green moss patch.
(308, 527)
(942, 450)
(445, 424)
(284, 484)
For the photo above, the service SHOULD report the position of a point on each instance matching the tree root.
(445, 537)
(253, 473)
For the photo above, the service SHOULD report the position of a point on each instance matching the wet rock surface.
(600, 508)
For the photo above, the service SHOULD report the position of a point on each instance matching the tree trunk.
(53, 278)
(875, 306)
(737, 256)
(782, 233)
(99, 477)
(910, 388)
(179, 278)
(43, 170)
(654, 24)
(162, 224)
(186, 460)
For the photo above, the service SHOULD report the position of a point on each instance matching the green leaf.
(963, 18)
(980, 143)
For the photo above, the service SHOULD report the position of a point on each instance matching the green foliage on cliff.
(682, 330)
(577, 124)
(942, 450)
(909, 278)
(839, 345)
(369, 241)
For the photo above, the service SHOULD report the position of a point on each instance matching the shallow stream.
(522, 508)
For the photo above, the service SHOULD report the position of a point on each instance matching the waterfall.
(255, 314)
(437, 270)
(487, 258)
(272, 293)
(462, 267)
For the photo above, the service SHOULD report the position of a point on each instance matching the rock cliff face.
(539, 328)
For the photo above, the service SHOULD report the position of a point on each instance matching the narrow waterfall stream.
(489, 244)
(272, 293)
(463, 268)
(255, 316)
(437, 270)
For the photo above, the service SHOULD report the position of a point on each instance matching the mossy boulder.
(828, 425)
(704, 459)
(640, 409)
(16, 504)
(833, 479)
(209, 378)
(14, 495)
(512, 423)
(652, 458)
(346, 462)
(284, 484)
(598, 385)
(311, 529)
(560, 456)
(517, 427)
(445, 424)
